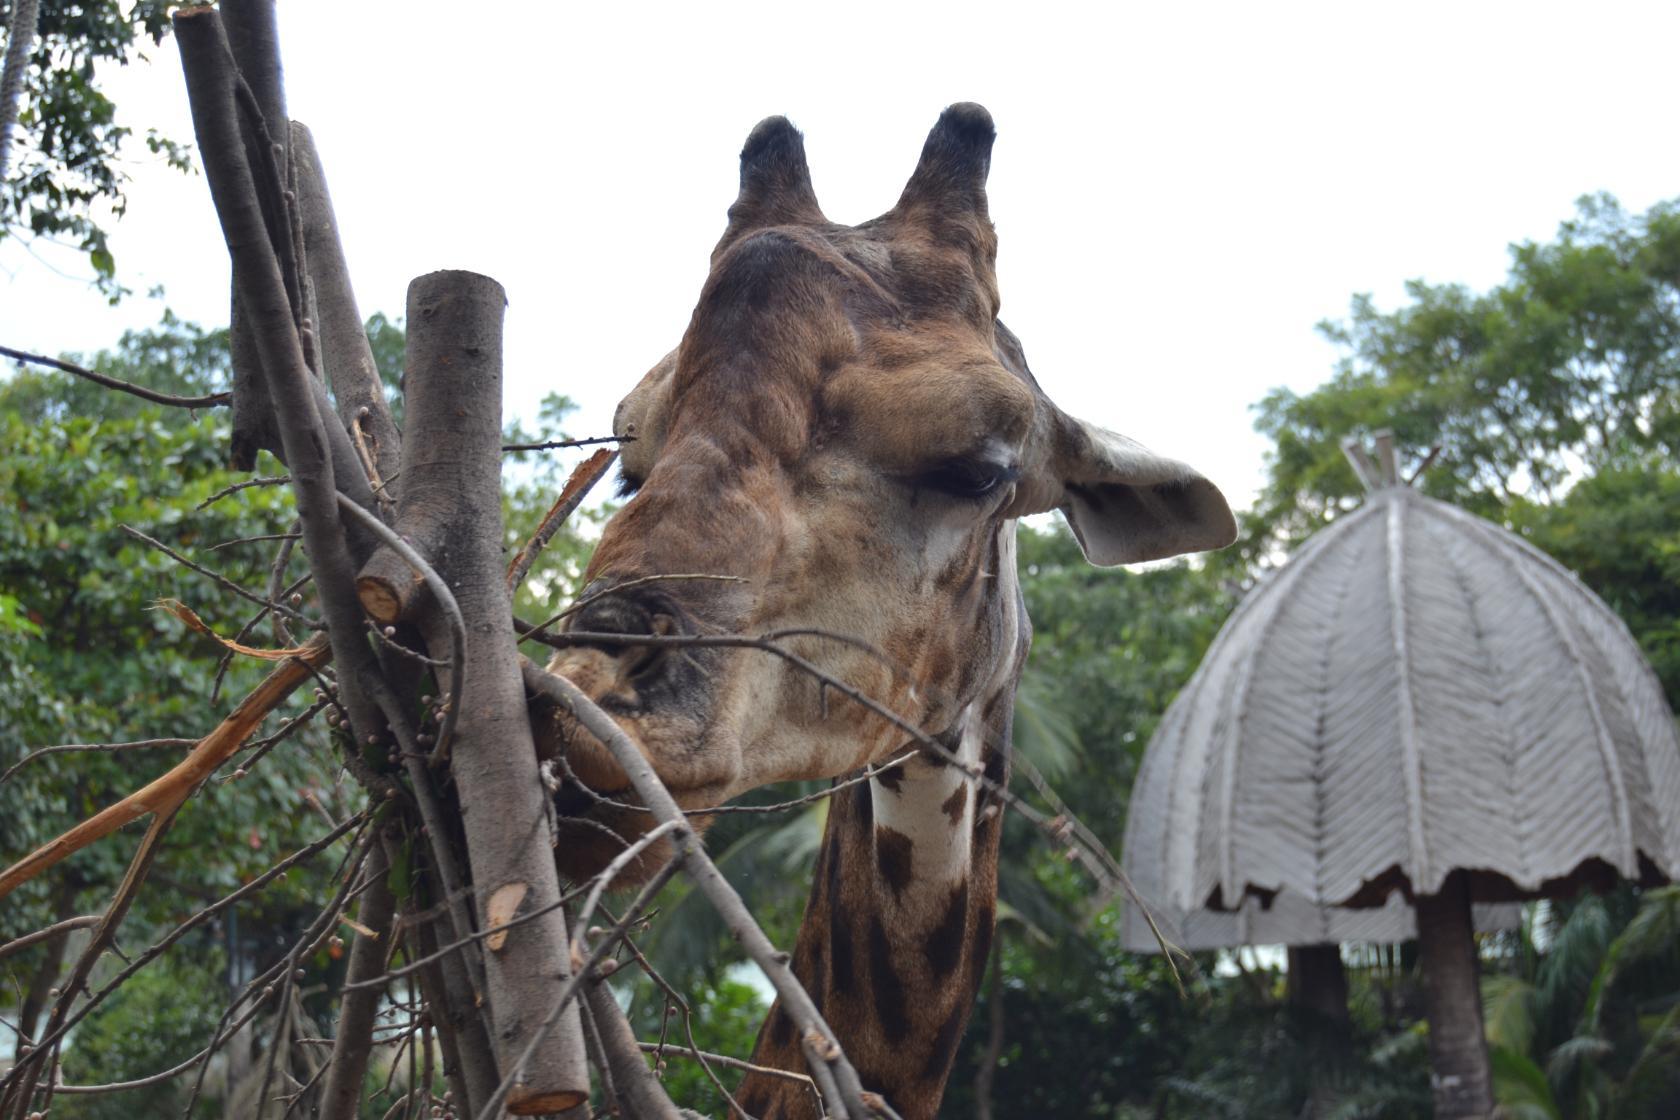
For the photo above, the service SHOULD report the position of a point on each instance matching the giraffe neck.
(898, 929)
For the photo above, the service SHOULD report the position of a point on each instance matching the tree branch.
(168, 791)
(213, 400)
(848, 1096)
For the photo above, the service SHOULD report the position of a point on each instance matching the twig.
(580, 939)
(445, 600)
(583, 479)
(531, 633)
(555, 444)
(103, 748)
(217, 577)
(215, 1043)
(259, 538)
(212, 401)
(673, 998)
(418, 963)
(563, 997)
(280, 480)
(723, 897)
(52, 1037)
(25, 1075)
(28, 939)
(726, 1061)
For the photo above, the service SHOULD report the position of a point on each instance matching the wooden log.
(450, 508)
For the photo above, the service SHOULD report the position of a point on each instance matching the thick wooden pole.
(1458, 1051)
(450, 510)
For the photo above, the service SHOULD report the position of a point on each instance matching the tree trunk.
(450, 509)
(20, 41)
(1458, 1051)
(1317, 982)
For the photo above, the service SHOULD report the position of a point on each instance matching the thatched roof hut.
(1417, 690)
(1418, 701)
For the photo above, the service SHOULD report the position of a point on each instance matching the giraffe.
(847, 434)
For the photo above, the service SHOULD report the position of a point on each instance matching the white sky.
(1181, 191)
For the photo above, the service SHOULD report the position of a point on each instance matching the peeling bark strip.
(450, 508)
(167, 793)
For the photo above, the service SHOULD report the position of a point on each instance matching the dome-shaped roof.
(1416, 690)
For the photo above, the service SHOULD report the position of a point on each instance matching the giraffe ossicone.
(848, 431)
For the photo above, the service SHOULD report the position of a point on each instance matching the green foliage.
(157, 1020)
(1619, 530)
(70, 152)
(1572, 363)
(726, 1018)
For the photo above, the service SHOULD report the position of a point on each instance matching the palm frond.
(1508, 1011)
(1653, 934)
(1520, 1087)
(1651, 1089)
(1043, 732)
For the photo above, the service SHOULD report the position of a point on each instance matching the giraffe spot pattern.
(954, 805)
(945, 1044)
(886, 985)
(892, 853)
(945, 942)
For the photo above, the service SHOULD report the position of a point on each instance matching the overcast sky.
(1181, 191)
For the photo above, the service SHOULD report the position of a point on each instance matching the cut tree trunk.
(1458, 1053)
(450, 509)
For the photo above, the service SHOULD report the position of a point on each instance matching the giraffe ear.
(641, 419)
(1127, 504)
(951, 175)
(775, 183)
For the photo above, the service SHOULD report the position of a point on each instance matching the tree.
(82, 660)
(1569, 367)
(70, 158)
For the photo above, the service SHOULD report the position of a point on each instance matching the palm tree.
(1585, 1025)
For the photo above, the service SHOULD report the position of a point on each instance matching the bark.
(353, 1042)
(1317, 981)
(346, 357)
(639, 1091)
(254, 43)
(450, 508)
(20, 41)
(1458, 1051)
(468, 1062)
(309, 443)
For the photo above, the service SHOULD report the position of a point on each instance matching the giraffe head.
(845, 435)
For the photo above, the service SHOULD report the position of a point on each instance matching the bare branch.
(445, 600)
(28, 939)
(276, 480)
(556, 444)
(723, 897)
(100, 748)
(352, 1047)
(214, 400)
(583, 479)
(168, 791)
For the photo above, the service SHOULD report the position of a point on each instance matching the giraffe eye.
(971, 479)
